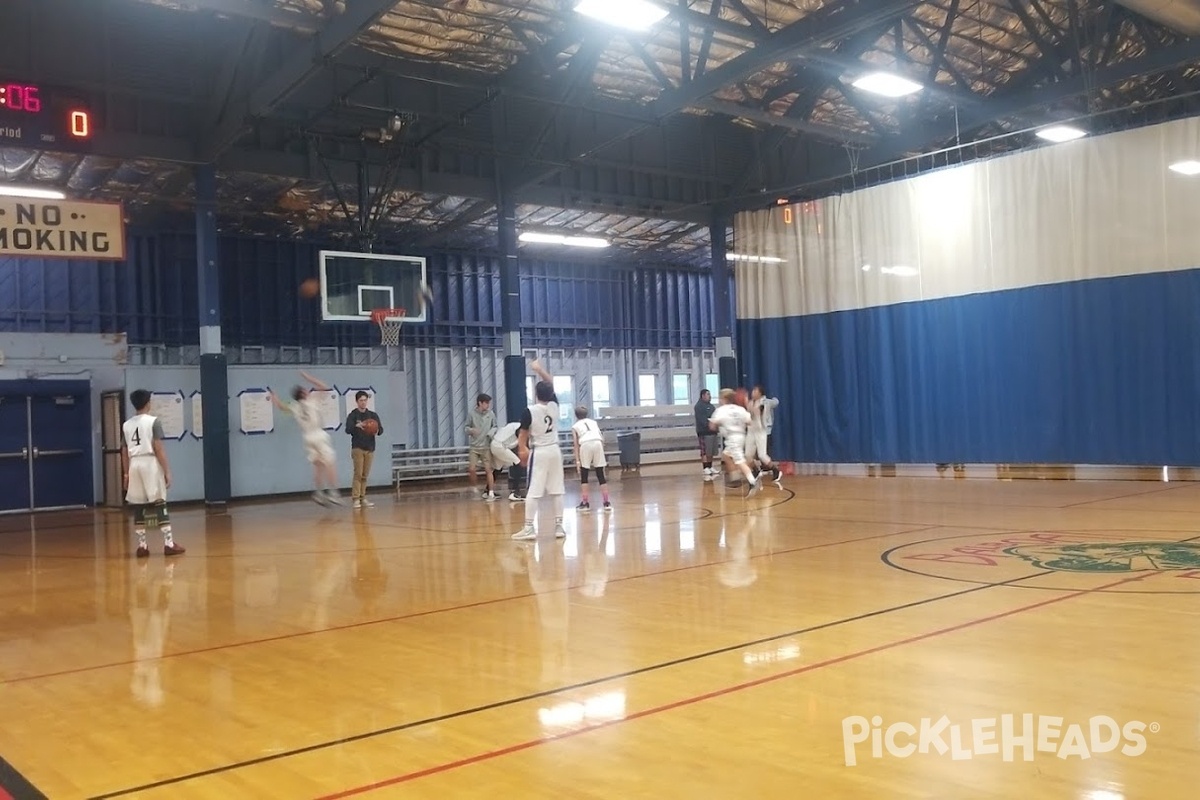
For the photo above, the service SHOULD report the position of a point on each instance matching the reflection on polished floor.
(803, 643)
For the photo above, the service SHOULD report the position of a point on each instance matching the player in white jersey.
(589, 455)
(761, 416)
(732, 420)
(318, 446)
(504, 454)
(146, 474)
(537, 446)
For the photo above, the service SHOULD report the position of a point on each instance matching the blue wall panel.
(153, 296)
(1093, 372)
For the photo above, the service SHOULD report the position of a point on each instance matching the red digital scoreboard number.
(20, 97)
(81, 124)
(41, 117)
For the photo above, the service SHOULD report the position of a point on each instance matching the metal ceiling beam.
(706, 43)
(529, 86)
(259, 11)
(651, 65)
(338, 34)
(751, 17)
(809, 83)
(1005, 103)
(734, 30)
(1018, 100)
(790, 123)
(828, 24)
(1054, 55)
(815, 29)
(417, 179)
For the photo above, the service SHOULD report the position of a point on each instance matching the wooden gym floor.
(692, 644)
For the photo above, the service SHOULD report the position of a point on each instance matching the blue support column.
(510, 310)
(214, 371)
(723, 307)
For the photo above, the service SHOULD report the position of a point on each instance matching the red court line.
(446, 767)
(427, 612)
(5, 795)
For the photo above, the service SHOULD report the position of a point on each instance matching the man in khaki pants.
(362, 447)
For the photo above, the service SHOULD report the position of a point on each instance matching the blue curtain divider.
(1100, 371)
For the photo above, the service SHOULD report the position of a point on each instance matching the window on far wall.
(681, 389)
(564, 390)
(712, 382)
(647, 394)
(601, 393)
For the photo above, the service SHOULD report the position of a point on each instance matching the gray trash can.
(630, 446)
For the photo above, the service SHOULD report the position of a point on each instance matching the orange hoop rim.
(380, 316)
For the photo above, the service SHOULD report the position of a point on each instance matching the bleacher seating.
(668, 434)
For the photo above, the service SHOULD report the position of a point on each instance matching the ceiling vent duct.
(1179, 15)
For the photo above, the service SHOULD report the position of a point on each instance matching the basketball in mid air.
(742, 398)
(310, 288)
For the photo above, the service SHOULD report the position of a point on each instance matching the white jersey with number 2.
(543, 426)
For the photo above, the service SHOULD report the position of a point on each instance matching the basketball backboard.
(355, 284)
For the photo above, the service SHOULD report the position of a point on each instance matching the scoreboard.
(42, 117)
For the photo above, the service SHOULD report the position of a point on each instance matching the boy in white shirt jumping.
(732, 420)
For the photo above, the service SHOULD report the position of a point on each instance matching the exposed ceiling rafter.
(1005, 103)
(830, 23)
(338, 34)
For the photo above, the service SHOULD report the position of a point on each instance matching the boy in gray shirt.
(480, 425)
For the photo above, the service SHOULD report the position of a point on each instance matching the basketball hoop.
(389, 321)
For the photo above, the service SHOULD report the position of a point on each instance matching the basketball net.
(389, 325)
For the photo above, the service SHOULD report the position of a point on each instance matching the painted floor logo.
(1112, 557)
(1068, 560)
(1005, 736)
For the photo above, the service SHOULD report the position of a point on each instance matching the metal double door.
(45, 445)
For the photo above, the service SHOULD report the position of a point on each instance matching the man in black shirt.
(362, 446)
(706, 435)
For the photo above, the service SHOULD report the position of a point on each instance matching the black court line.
(706, 515)
(551, 692)
(17, 785)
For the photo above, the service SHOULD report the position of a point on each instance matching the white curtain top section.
(1090, 208)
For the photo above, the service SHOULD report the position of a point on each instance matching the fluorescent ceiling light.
(636, 15)
(540, 238)
(569, 241)
(754, 259)
(886, 84)
(1186, 167)
(38, 194)
(1061, 133)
